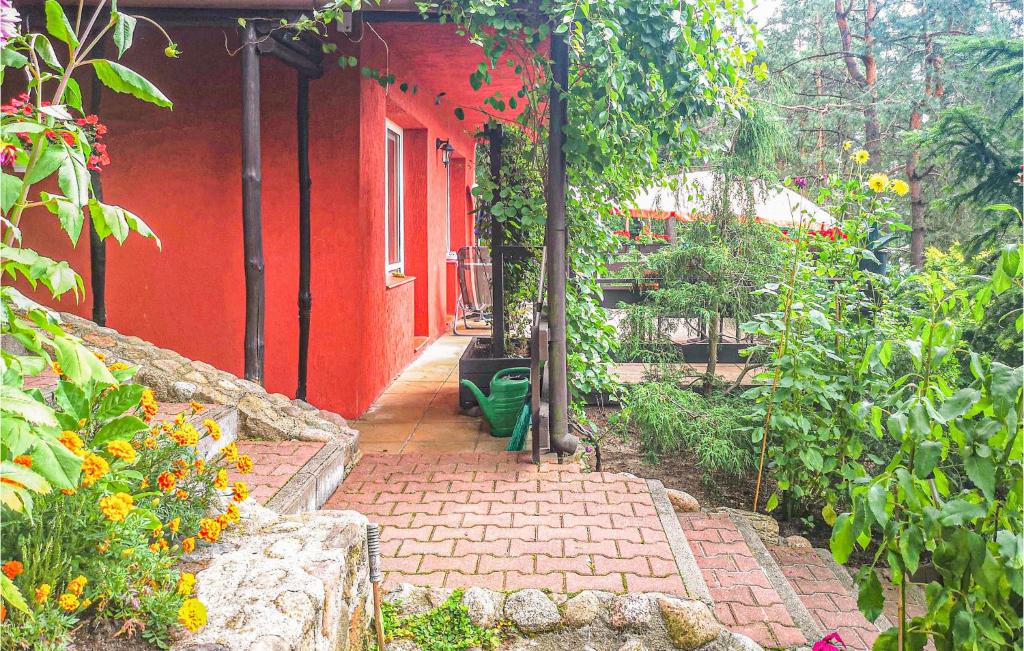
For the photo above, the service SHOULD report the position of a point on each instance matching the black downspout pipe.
(252, 219)
(495, 136)
(97, 247)
(305, 298)
(556, 240)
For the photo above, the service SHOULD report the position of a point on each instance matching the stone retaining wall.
(174, 378)
(588, 621)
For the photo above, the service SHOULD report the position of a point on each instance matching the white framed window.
(394, 200)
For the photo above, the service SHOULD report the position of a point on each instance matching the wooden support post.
(670, 228)
(497, 253)
(252, 218)
(305, 298)
(556, 240)
(97, 247)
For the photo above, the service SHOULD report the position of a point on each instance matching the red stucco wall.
(180, 171)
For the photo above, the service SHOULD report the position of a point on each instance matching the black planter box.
(477, 365)
(625, 290)
(728, 353)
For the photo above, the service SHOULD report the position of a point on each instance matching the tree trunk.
(713, 336)
(867, 78)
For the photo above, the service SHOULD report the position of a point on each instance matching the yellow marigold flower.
(77, 585)
(144, 484)
(192, 615)
(188, 545)
(43, 593)
(233, 515)
(196, 407)
(174, 525)
(209, 530)
(213, 428)
(244, 464)
(100, 356)
(86, 603)
(861, 156)
(117, 506)
(103, 547)
(57, 369)
(181, 495)
(166, 481)
(68, 602)
(93, 467)
(847, 145)
(200, 466)
(150, 443)
(878, 182)
(185, 434)
(149, 405)
(220, 482)
(186, 584)
(179, 419)
(899, 186)
(158, 546)
(230, 452)
(128, 552)
(71, 441)
(241, 491)
(118, 366)
(121, 450)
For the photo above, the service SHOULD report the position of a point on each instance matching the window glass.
(393, 200)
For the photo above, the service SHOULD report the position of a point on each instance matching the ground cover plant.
(444, 628)
(98, 501)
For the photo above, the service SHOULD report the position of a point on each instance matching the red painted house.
(386, 198)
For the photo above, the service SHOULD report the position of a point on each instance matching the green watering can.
(508, 392)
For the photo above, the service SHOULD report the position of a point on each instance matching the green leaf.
(957, 404)
(12, 595)
(55, 462)
(982, 471)
(926, 457)
(73, 177)
(72, 400)
(955, 513)
(10, 190)
(42, 46)
(49, 162)
(869, 594)
(124, 29)
(812, 459)
(124, 80)
(877, 500)
(57, 24)
(459, 113)
(911, 543)
(772, 504)
(69, 215)
(17, 402)
(73, 95)
(120, 429)
(843, 538)
(119, 400)
(108, 220)
(79, 364)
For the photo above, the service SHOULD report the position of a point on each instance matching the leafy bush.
(669, 420)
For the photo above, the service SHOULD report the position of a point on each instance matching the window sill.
(390, 282)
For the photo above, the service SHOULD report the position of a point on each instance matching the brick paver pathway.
(274, 463)
(495, 520)
(745, 600)
(825, 596)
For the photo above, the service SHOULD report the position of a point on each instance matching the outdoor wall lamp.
(446, 150)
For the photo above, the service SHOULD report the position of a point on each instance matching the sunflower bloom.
(848, 145)
(93, 467)
(121, 450)
(192, 615)
(899, 187)
(117, 506)
(878, 182)
(861, 156)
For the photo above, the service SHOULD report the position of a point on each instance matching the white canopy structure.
(698, 192)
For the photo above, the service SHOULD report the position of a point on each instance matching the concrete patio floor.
(419, 411)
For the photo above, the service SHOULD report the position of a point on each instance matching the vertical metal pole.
(497, 254)
(97, 247)
(252, 219)
(555, 236)
(305, 297)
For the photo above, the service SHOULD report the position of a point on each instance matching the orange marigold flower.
(185, 435)
(158, 546)
(121, 450)
(213, 427)
(192, 615)
(67, 491)
(56, 368)
(23, 460)
(196, 407)
(188, 545)
(103, 547)
(245, 464)
(149, 405)
(68, 602)
(174, 525)
(93, 467)
(166, 481)
(144, 484)
(209, 530)
(241, 491)
(43, 593)
(12, 569)
(77, 585)
(100, 356)
(3, 613)
(222, 520)
(200, 466)
(117, 506)
(230, 452)
(181, 495)
(71, 441)
(220, 482)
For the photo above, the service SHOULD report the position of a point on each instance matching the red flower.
(7, 154)
(50, 134)
(69, 138)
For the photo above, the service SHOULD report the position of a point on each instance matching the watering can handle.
(509, 371)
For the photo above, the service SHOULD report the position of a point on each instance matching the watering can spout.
(481, 399)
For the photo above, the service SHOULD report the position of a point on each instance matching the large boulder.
(584, 608)
(682, 502)
(483, 607)
(690, 624)
(531, 611)
(296, 582)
